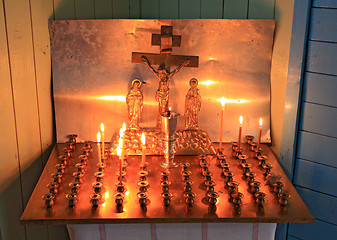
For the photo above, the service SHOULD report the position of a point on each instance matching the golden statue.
(192, 105)
(164, 77)
(134, 100)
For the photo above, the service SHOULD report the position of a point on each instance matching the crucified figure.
(164, 77)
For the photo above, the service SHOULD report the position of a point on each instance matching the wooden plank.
(317, 230)
(261, 9)
(149, 9)
(317, 148)
(84, 9)
(323, 24)
(322, 206)
(64, 9)
(169, 9)
(120, 9)
(321, 57)
(189, 9)
(324, 3)
(319, 119)
(316, 177)
(236, 9)
(211, 9)
(135, 9)
(103, 9)
(320, 88)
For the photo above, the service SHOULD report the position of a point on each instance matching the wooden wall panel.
(324, 3)
(103, 9)
(189, 9)
(235, 9)
(322, 57)
(169, 9)
(120, 9)
(322, 206)
(261, 9)
(317, 148)
(84, 9)
(320, 88)
(314, 231)
(323, 24)
(319, 119)
(211, 9)
(315, 176)
(149, 9)
(64, 9)
(135, 9)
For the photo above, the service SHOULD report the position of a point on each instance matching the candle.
(260, 131)
(123, 143)
(119, 153)
(143, 150)
(99, 146)
(102, 131)
(240, 130)
(223, 101)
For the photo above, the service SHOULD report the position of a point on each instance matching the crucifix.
(166, 40)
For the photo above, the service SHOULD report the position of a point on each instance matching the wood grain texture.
(84, 9)
(319, 119)
(235, 9)
(322, 206)
(323, 24)
(320, 89)
(261, 9)
(103, 9)
(316, 177)
(324, 3)
(211, 9)
(120, 9)
(314, 231)
(64, 9)
(149, 9)
(169, 9)
(321, 57)
(317, 148)
(189, 9)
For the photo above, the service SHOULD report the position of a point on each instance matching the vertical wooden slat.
(120, 9)
(235, 9)
(189, 9)
(84, 9)
(261, 9)
(149, 9)
(211, 9)
(168, 9)
(135, 9)
(64, 9)
(103, 9)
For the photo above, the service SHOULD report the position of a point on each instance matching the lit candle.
(123, 144)
(223, 101)
(99, 146)
(260, 131)
(119, 153)
(143, 150)
(240, 130)
(102, 131)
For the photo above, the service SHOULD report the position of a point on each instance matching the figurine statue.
(164, 77)
(134, 100)
(192, 105)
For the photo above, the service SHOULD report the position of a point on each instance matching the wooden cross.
(166, 40)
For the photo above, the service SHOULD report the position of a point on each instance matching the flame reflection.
(226, 100)
(207, 82)
(113, 98)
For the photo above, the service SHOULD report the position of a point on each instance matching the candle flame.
(106, 194)
(170, 108)
(102, 127)
(120, 142)
(126, 193)
(207, 82)
(103, 205)
(241, 119)
(260, 122)
(121, 132)
(143, 139)
(222, 101)
(113, 98)
(119, 151)
(124, 127)
(99, 137)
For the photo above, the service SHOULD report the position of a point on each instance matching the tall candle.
(240, 130)
(223, 101)
(143, 150)
(119, 153)
(260, 131)
(123, 145)
(99, 146)
(102, 131)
